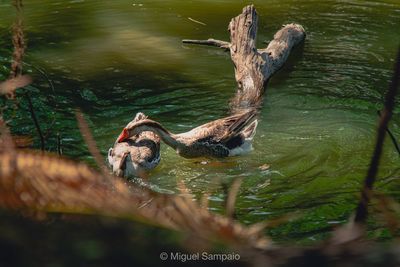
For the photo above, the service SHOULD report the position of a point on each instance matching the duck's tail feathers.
(250, 130)
(242, 122)
(140, 116)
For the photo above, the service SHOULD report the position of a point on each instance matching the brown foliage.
(42, 182)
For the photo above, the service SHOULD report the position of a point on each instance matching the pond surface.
(116, 58)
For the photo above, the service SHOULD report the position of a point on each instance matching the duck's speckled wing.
(222, 130)
(145, 150)
(218, 137)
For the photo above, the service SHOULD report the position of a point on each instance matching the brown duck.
(136, 155)
(224, 137)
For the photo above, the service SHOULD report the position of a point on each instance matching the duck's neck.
(168, 137)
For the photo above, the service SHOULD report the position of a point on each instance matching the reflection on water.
(116, 58)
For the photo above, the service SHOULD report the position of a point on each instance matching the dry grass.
(37, 182)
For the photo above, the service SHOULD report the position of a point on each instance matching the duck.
(229, 136)
(136, 155)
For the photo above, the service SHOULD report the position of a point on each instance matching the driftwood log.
(254, 67)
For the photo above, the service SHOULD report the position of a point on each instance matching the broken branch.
(210, 42)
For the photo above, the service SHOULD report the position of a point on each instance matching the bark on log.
(253, 67)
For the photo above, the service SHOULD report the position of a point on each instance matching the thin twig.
(196, 21)
(59, 149)
(231, 199)
(18, 41)
(19, 49)
(44, 74)
(19, 45)
(35, 121)
(362, 208)
(392, 137)
(210, 42)
(50, 99)
(16, 65)
(91, 143)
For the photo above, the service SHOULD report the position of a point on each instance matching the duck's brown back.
(138, 154)
(145, 148)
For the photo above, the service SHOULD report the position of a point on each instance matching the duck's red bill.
(123, 136)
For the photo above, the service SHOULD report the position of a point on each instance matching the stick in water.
(362, 208)
(196, 21)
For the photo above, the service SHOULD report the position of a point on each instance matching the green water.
(115, 58)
